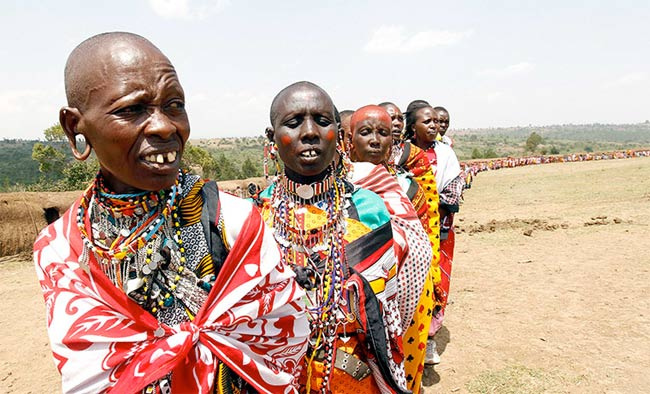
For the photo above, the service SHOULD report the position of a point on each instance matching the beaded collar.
(137, 241)
(141, 215)
(308, 193)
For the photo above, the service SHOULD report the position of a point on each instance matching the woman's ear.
(70, 118)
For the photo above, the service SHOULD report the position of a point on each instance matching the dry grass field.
(550, 288)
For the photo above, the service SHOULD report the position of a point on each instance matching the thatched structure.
(24, 215)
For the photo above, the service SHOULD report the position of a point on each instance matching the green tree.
(51, 161)
(54, 134)
(197, 158)
(554, 150)
(489, 153)
(249, 170)
(226, 170)
(476, 154)
(533, 141)
(58, 169)
(78, 174)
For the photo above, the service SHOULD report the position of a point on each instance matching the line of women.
(476, 166)
(334, 278)
(365, 220)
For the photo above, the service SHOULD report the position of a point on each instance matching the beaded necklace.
(137, 242)
(305, 193)
(319, 253)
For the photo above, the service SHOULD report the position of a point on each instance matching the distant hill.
(568, 138)
(16, 164)
(623, 133)
(18, 171)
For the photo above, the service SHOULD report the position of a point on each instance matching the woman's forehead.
(306, 99)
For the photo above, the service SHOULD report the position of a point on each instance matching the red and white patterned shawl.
(253, 320)
(410, 241)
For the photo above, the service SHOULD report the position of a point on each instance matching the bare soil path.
(564, 309)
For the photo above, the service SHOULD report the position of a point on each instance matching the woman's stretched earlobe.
(81, 149)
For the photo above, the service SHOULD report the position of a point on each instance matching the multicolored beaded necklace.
(319, 253)
(136, 239)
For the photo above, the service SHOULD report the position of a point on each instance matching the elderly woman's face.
(371, 138)
(305, 131)
(135, 118)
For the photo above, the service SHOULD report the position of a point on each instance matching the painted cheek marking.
(286, 140)
(330, 135)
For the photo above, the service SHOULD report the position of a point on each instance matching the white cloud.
(22, 100)
(513, 69)
(391, 39)
(629, 79)
(187, 9)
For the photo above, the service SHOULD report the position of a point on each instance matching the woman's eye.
(323, 121)
(292, 123)
(130, 110)
(176, 105)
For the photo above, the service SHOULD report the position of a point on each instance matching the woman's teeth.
(309, 153)
(160, 158)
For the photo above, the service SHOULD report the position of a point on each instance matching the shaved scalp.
(293, 88)
(347, 112)
(387, 103)
(441, 109)
(367, 112)
(82, 63)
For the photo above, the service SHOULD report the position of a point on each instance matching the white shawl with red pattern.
(410, 241)
(253, 320)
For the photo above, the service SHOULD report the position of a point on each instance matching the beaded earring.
(271, 154)
(344, 163)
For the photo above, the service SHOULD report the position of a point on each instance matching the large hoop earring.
(78, 152)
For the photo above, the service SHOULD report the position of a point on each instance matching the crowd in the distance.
(475, 166)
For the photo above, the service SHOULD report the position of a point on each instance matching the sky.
(490, 63)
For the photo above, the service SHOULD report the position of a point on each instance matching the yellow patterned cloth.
(414, 160)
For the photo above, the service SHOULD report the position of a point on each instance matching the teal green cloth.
(371, 208)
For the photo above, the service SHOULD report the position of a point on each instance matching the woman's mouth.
(161, 158)
(309, 153)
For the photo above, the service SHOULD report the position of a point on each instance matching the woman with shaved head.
(155, 281)
(338, 239)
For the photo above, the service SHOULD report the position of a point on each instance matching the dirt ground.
(550, 288)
